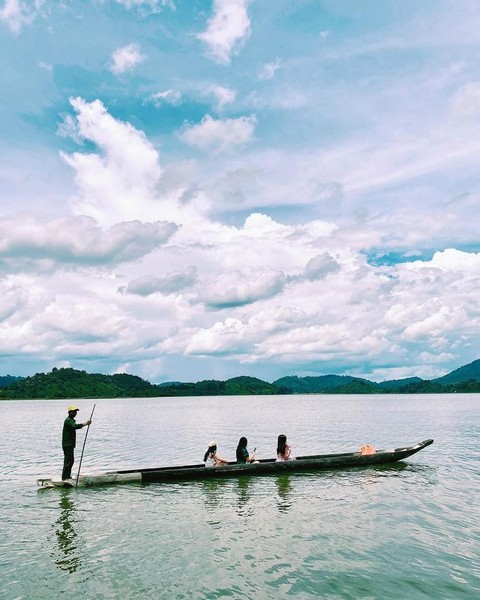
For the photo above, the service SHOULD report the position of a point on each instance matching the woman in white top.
(211, 458)
(284, 451)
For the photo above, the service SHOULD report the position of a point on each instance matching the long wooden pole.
(84, 442)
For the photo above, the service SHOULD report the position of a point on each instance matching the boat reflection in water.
(67, 538)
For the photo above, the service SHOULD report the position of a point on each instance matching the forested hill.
(465, 373)
(70, 383)
(8, 379)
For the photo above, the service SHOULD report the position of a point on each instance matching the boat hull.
(263, 467)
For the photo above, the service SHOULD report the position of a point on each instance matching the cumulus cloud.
(227, 29)
(268, 70)
(26, 241)
(290, 316)
(168, 96)
(238, 288)
(169, 284)
(119, 184)
(320, 266)
(452, 260)
(126, 59)
(229, 337)
(219, 134)
(120, 179)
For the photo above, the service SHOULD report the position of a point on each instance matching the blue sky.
(196, 189)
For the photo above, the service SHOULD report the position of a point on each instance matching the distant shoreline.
(68, 383)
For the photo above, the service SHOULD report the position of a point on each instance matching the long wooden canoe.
(262, 467)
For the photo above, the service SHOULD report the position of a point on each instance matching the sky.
(202, 189)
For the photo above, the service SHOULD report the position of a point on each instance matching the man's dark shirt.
(69, 433)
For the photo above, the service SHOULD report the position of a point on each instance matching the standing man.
(69, 435)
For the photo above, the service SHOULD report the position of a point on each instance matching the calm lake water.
(406, 531)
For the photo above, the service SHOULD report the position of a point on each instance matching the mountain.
(466, 373)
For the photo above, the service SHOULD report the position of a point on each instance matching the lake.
(405, 531)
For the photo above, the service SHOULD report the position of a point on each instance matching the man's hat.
(72, 408)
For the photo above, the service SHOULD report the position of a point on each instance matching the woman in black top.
(242, 452)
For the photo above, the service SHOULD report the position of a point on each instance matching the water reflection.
(69, 558)
(284, 488)
(212, 488)
(243, 497)
(411, 472)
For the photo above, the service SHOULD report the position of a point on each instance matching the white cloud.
(158, 98)
(238, 288)
(223, 95)
(456, 261)
(68, 128)
(126, 58)
(320, 266)
(154, 5)
(223, 338)
(15, 14)
(439, 320)
(169, 284)
(219, 134)
(284, 98)
(227, 28)
(268, 70)
(119, 184)
(26, 242)
(46, 66)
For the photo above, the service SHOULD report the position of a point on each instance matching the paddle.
(84, 442)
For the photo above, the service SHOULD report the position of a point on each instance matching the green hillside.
(8, 380)
(396, 384)
(237, 386)
(314, 385)
(70, 383)
(470, 372)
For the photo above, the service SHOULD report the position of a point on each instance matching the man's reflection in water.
(69, 559)
(283, 488)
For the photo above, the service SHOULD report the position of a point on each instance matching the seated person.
(211, 457)
(284, 451)
(242, 453)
